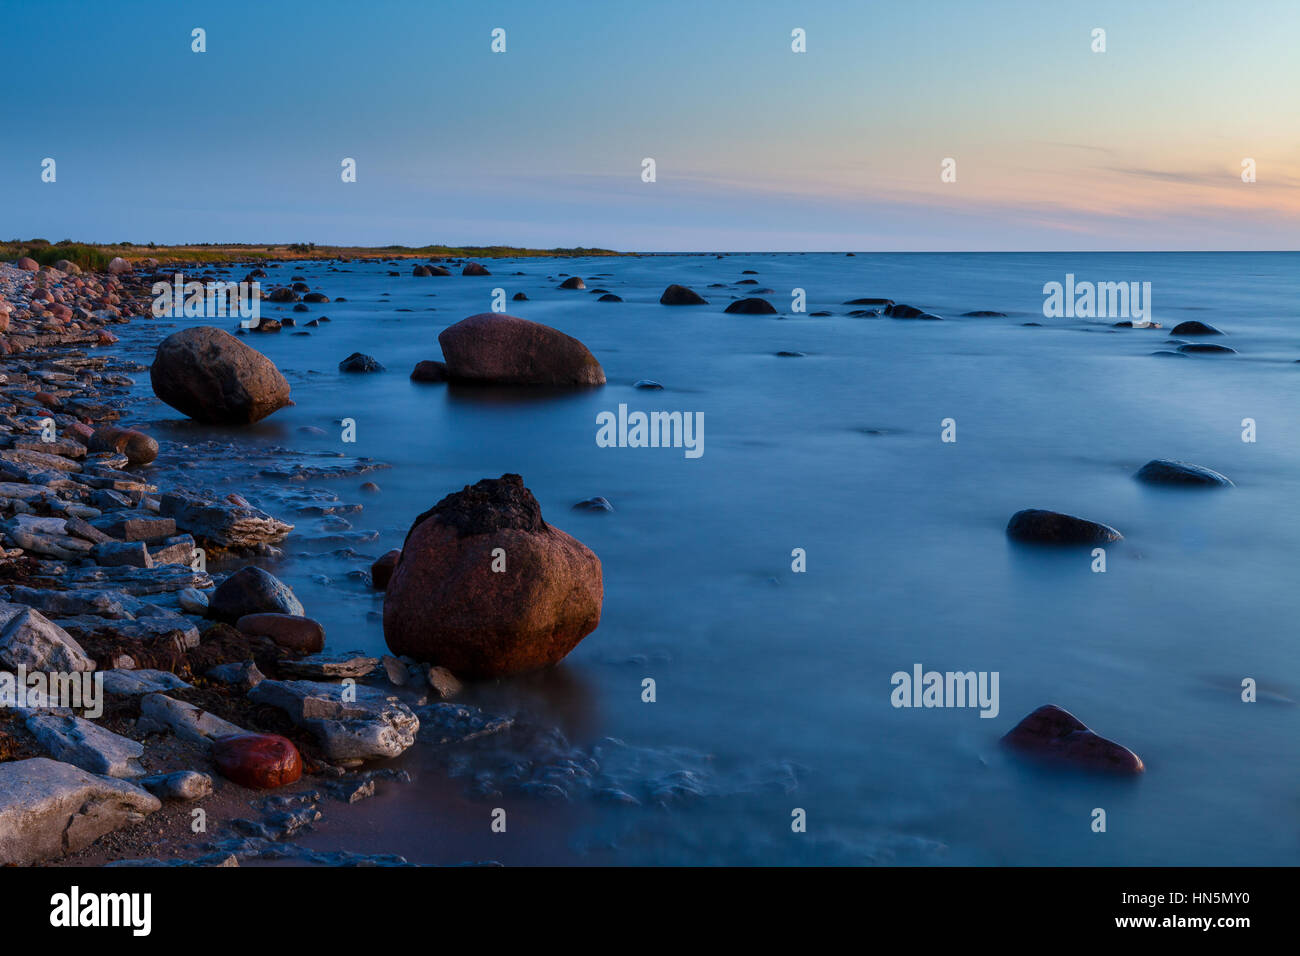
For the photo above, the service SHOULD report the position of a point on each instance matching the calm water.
(774, 687)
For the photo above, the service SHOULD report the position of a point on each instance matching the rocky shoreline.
(215, 688)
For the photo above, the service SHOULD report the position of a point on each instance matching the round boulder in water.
(680, 295)
(1052, 527)
(486, 588)
(750, 307)
(359, 362)
(1194, 328)
(495, 348)
(573, 282)
(1163, 471)
(213, 377)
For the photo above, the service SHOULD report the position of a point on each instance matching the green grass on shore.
(97, 255)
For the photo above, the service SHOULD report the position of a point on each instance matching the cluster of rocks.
(103, 574)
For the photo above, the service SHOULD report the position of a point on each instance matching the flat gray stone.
(89, 746)
(133, 683)
(162, 714)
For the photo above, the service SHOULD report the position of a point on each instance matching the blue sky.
(756, 147)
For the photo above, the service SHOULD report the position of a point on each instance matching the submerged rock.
(446, 604)
(1206, 347)
(750, 307)
(494, 348)
(357, 362)
(1163, 471)
(1052, 732)
(382, 570)
(1052, 527)
(429, 371)
(214, 378)
(610, 297)
(1193, 327)
(680, 295)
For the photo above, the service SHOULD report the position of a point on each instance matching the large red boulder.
(457, 601)
(257, 761)
(214, 378)
(503, 349)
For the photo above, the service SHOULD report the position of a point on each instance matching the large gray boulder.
(49, 809)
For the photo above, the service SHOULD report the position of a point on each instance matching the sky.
(756, 147)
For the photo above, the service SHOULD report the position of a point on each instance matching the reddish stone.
(139, 448)
(381, 572)
(290, 631)
(257, 761)
(1052, 732)
(449, 602)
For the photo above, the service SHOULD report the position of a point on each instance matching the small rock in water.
(357, 362)
(750, 307)
(257, 761)
(573, 282)
(1206, 347)
(382, 570)
(1162, 471)
(648, 384)
(1052, 732)
(1052, 527)
(1194, 328)
(785, 354)
(370, 487)
(594, 504)
(680, 295)
(429, 371)
(610, 297)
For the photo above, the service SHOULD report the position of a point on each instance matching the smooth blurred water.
(774, 687)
